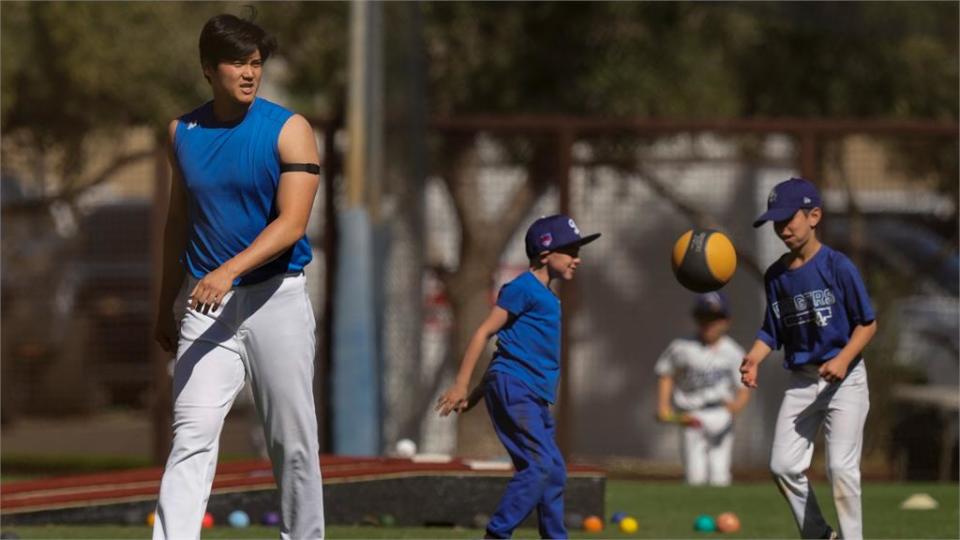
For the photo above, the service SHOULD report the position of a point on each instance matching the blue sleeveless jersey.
(813, 309)
(232, 171)
(528, 346)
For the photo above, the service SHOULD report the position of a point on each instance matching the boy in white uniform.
(699, 377)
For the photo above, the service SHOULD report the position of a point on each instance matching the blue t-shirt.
(813, 309)
(528, 346)
(231, 171)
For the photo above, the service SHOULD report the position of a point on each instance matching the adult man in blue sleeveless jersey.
(245, 174)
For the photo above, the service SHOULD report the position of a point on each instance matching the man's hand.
(454, 399)
(834, 370)
(210, 291)
(748, 372)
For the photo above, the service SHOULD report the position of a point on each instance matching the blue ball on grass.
(238, 519)
(704, 523)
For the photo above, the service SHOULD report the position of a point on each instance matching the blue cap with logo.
(711, 304)
(554, 232)
(787, 197)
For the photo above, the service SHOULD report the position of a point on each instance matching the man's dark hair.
(228, 37)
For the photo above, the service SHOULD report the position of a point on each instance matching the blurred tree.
(850, 59)
(313, 44)
(72, 69)
(695, 59)
(73, 72)
(650, 59)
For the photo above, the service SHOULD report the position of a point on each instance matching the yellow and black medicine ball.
(703, 260)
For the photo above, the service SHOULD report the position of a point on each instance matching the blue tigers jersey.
(812, 310)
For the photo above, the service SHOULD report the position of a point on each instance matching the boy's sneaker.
(831, 535)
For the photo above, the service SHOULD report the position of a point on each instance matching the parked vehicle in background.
(76, 315)
(113, 304)
(38, 241)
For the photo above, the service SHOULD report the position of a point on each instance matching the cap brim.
(775, 214)
(582, 241)
(588, 238)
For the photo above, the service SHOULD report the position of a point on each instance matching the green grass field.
(664, 510)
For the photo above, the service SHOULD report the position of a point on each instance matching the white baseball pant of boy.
(266, 331)
(708, 448)
(842, 410)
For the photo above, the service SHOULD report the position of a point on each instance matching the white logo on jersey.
(191, 125)
(820, 316)
(823, 316)
(704, 378)
(702, 374)
(806, 307)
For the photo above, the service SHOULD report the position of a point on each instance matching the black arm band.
(311, 168)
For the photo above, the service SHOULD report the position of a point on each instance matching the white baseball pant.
(841, 408)
(707, 449)
(264, 331)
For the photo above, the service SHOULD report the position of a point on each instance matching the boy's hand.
(683, 419)
(833, 370)
(454, 399)
(475, 396)
(748, 372)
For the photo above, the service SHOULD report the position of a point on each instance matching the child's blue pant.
(525, 426)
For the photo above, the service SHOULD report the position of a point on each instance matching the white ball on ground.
(406, 448)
